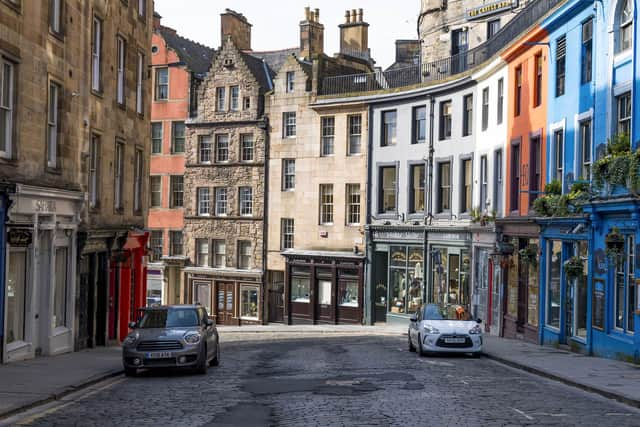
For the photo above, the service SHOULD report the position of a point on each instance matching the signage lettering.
(19, 238)
(47, 206)
(491, 9)
(398, 235)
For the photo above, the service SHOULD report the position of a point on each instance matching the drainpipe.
(635, 65)
(265, 218)
(427, 255)
(368, 272)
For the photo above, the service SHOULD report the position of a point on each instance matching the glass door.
(225, 303)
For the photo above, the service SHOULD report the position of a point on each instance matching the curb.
(57, 396)
(605, 393)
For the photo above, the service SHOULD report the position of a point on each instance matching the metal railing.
(444, 68)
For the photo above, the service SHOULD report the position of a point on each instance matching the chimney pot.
(317, 15)
(360, 13)
(347, 17)
(354, 15)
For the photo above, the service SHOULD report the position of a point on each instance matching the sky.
(276, 22)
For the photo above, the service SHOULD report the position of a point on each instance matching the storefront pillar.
(125, 299)
(3, 218)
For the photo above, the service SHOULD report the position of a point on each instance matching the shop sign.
(19, 238)
(451, 237)
(398, 235)
(44, 206)
(491, 9)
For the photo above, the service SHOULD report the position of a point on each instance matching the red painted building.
(179, 65)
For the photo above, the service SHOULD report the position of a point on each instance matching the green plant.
(614, 241)
(553, 188)
(620, 166)
(529, 254)
(482, 217)
(574, 268)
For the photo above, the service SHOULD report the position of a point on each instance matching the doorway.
(381, 264)
(225, 300)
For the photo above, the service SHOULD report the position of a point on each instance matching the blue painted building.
(592, 98)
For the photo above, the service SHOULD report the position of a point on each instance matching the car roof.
(171, 307)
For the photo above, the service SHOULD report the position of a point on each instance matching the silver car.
(177, 336)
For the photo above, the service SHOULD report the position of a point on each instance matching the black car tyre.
(130, 372)
(216, 359)
(412, 348)
(421, 352)
(201, 368)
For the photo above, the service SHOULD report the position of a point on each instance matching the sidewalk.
(610, 378)
(33, 382)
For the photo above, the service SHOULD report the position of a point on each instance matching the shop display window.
(60, 289)
(554, 257)
(16, 295)
(249, 302)
(348, 293)
(406, 279)
(439, 275)
(300, 289)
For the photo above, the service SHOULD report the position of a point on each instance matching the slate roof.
(265, 65)
(196, 56)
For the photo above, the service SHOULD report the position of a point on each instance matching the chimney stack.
(354, 33)
(408, 51)
(157, 21)
(236, 26)
(311, 34)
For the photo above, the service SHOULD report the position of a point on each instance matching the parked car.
(444, 328)
(177, 336)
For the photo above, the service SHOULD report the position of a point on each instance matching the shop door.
(102, 298)
(225, 304)
(380, 267)
(324, 304)
(481, 286)
(276, 305)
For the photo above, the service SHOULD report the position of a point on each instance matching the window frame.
(419, 124)
(140, 84)
(484, 182)
(222, 150)
(288, 176)
(175, 138)
(289, 124)
(119, 175)
(587, 51)
(221, 102)
(389, 132)
(247, 246)
(153, 192)
(94, 170)
(561, 65)
(176, 187)
(623, 26)
(174, 243)
(585, 155)
(138, 187)
(466, 188)
(221, 195)
(246, 149)
(517, 98)
(290, 81)
(538, 73)
(154, 139)
(623, 121)
(200, 242)
(413, 191)
(467, 115)
(121, 59)
(96, 54)
(7, 107)
(382, 191)
(445, 121)
(161, 88)
(444, 189)
(287, 233)
(327, 201)
(234, 98)
(245, 201)
(327, 136)
(353, 204)
(203, 201)
(204, 147)
(53, 124)
(355, 133)
(485, 108)
(500, 112)
(216, 246)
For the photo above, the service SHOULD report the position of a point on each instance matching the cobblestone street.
(335, 381)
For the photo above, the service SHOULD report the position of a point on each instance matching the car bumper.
(434, 343)
(187, 357)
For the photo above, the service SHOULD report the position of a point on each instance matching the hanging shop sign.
(491, 9)
(19, 237)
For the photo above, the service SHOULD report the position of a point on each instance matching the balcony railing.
(441, 69)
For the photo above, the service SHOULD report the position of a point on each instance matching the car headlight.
(131, 339)
(431, 329)
(475, 330)
(192, 338)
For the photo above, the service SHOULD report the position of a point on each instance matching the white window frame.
(221, 98)
(222, 200)
(96, 55)
(222, 149)
(234, 95)
(204, 201)
(289, 124)
(247, 147)
(219, 250)
(579, 162)
(287, 233)
(204, 149)
(557, 127)
(354, 204)
(245, 196)
(328, 134)
(200, 253)
(288, 176)
(53, 125)
(118, 175)
(326, 206)
(355, 134)
(158, 192)
(291, 81)
(244, 244)
(7, 107)
(159, 84)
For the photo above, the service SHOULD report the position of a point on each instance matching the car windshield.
(170, 318)
(446, 312)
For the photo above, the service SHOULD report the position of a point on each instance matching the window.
(485, 108)
(246, 201)
(444, 187)
(220, 99)
(467, 186)
(156, 191)
(500, 100)
(156, 241)
(219, 254)
(222, 148)
(60, 289)
(289, 124)
(554, 255)
(353, 204)
(119, 176)
(204, 142)
(445, 120)
(249, 302)
(94, 171)
(120, 76)
(96, 53)
(204, 202)
(518, 90)
(535, 168)
(328, 135)
(291, 80)
(484, 183)
(624, 114)
(246, 102)
(467, 118)
(515, 177)
(156, 138)
(139, 84)
(587, 50)
(355, 135)
(498, 182)
(585, 150)
(287, 230)
(416, 189)
(537, 98)
(419, 130)
(6, 108)
(177, 137)
(202, 252)
(16, 296)
(387, 190)
(55, 16)
(348, 293)
(177, 191)
(246, 147)
(162, 84)
(235, 98)
(176, 242)
(561, 65)
(244, 255)
(326, 204)
(493, 27)
(300, 290)
(53, 128)
(625, 21)
(388, 128)
(137, 181)
(221, 201)
(142, 8)
(558, 154)
(288, 174)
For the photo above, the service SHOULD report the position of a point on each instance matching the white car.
(446, 329)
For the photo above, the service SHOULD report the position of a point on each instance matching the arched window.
(625, 26)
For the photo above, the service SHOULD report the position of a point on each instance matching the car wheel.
(421, 352)
(202, 364)
(216, 359)
(412, 348)
(130, 372)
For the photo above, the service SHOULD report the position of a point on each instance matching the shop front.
(521, 252)
(231, 297)
(487, 280)
(40, 283)
(323, 287)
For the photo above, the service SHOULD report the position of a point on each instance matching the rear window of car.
(171, 318)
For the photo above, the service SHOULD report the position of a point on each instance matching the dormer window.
(625, 27)
(291, 81)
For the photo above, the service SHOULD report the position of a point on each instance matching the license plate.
(159, 355)
(455, 340)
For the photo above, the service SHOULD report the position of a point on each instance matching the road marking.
(545, 414)
(433, 362)
(616, 414)
(523, 414)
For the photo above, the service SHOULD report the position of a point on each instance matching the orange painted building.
(179, 65)
(526, 167)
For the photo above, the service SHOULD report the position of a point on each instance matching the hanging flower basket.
(574, 268)
(529, 255)
(615, 241)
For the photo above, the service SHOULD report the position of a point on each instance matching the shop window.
(300, 289)
(554, 268)
(60, 290)
(405, 278)
(439, 275)
(249, 302)
(348, 293)
(16, 296)
(625, 289)
(579, 291)
(513, 272)
(202, 295)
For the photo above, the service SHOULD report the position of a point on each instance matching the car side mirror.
(132, 325)
(413, 319)
(208, 322)
(478, 321)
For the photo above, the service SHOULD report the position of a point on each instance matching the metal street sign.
(19, 238)
(491, 9)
